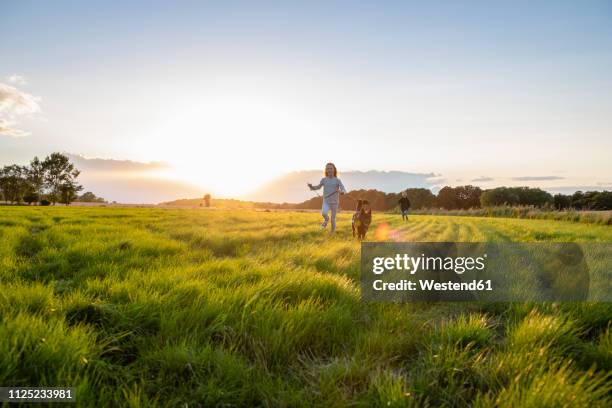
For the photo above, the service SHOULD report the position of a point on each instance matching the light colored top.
(332, 187)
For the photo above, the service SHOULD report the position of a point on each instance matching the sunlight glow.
(230, 145)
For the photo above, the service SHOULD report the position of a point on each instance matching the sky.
(230, 95)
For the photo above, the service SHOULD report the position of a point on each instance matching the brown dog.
(362, 218)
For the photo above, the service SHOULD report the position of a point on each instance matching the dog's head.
(359, 205)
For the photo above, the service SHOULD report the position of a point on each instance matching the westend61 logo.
(413, 264)
(486, 271)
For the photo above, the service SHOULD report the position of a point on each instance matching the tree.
(54, 175)
(68, 192)
(207, 200)
(90, 197)
(447, 198)
(603, 200)
(532, 196)
(459, 198)
(35, 176)
(516, 196)
(577, 200)
(562, 201)
(376, 198)
(499, 196)
(468, 196)
(391, 200)
(30, 196)
(60, 178)
(13, 183)
(591, 200)
(420, 198)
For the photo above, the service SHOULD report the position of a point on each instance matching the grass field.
(155, 307)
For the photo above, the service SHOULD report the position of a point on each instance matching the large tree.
(60, 178)
(459, 198)
(13, 183)
(35, 176)
(447, 198)
(420, 198)
(68, 192)
(468, 196)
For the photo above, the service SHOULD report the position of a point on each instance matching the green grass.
(528, 212)
(152, 307)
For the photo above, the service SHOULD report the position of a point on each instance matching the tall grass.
(150, 307)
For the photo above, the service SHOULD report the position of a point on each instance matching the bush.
(30, 197)
(45, 202)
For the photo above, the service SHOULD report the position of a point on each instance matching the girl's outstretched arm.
(341, 187)
(318, 186)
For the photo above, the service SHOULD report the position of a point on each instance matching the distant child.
(404, 205)
(332, 188)
(364, 219)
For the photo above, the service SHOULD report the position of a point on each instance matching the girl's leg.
(324, 212)
(334, 209)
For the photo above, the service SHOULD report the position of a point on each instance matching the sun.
(233, 144)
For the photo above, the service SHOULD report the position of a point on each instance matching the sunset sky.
(228, 95)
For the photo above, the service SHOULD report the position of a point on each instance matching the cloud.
(482, 179)
(128, 181)
(138, 189)
(291, 187)
(537, 178)
(7, 129)
(13, 104)
(110, 165)
(17, 80)
(435, 180)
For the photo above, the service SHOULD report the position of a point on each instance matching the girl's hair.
(335, 170)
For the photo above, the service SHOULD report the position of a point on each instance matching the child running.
(332, 188)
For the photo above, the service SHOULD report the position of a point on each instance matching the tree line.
(48, 181)
(468, 196)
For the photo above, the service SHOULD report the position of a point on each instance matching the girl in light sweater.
(332, 188)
